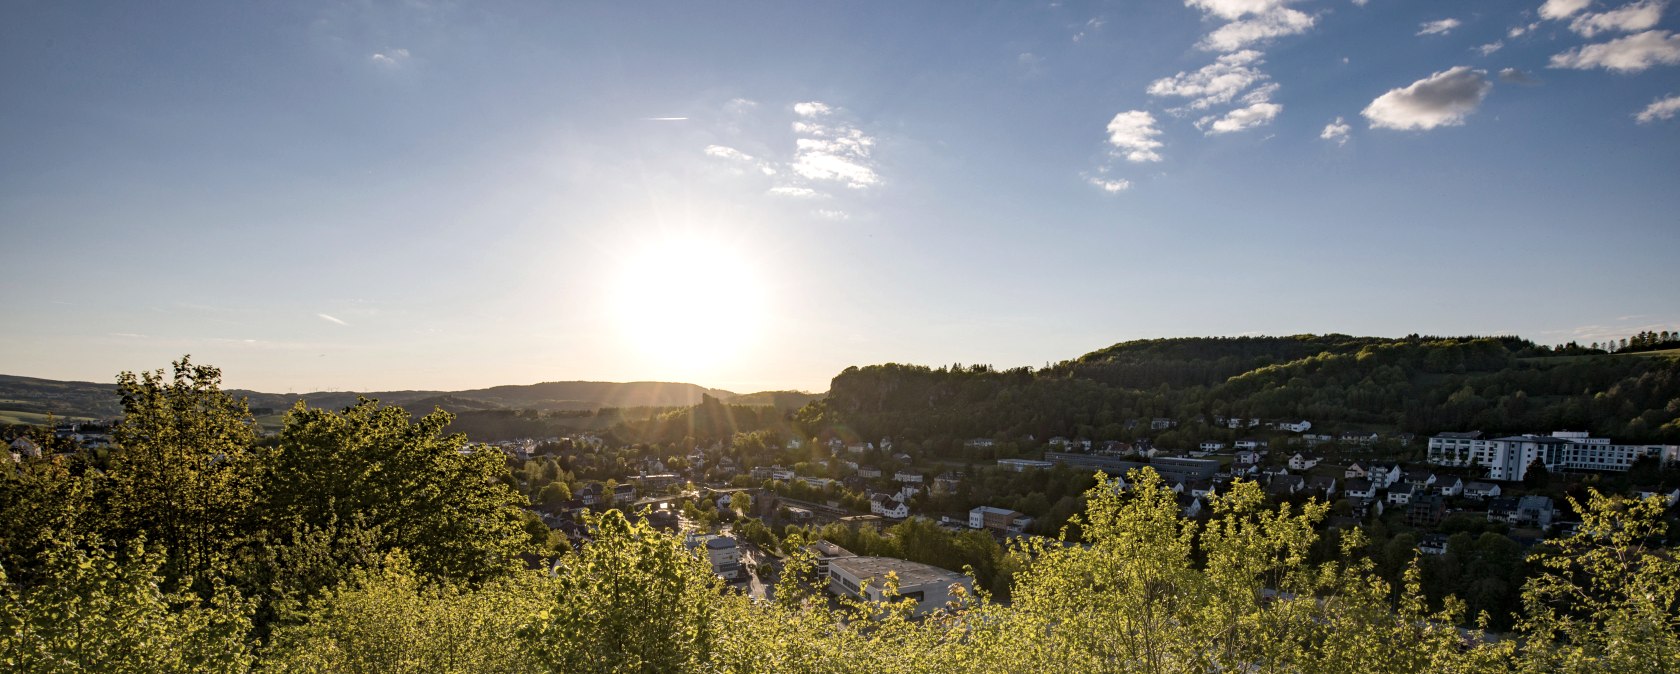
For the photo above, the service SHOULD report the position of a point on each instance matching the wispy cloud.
(1490, 48)
(1625, 19)
(1251, 22)
(665, 119)
(1562, 9)
(1214, 84)
(1111, 186)
(830, 149)
(1259, 113)
(1438, 27)
(330, 319)
(1515, 76)
(391, 58)
(1630, 54)
(1662, 108)
(726, 152)
(791, 191)
(1442, 99)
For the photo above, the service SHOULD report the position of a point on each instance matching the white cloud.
(811, 109)
(831, 150)
(1442, 99)
(1336, 131)
(1490, 47)
(330, 319)
(1110, 186)
(1133, 133)
(1518, 31)
(799, 192)
(1626, 19)
(1561, 9)
(1629, 54)
(1241, 119)
(831, 214)
(1231, 10)
(390, 59)
(724, 152)
(1441, 27)
(1216, 83)
(1279, 22)
(1662, 108)
(1360, 3)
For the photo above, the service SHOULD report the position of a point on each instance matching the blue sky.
(757, 195)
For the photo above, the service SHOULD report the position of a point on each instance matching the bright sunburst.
(690, 304)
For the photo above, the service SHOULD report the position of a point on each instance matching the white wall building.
(865, 578)
(1508, 458)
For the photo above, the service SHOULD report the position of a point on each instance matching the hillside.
(25, 397)
(1414, 384)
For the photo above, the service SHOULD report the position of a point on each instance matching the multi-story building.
(1508, 458)
(865, 578)
(997, 519)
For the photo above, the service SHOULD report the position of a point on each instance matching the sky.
(754, 196)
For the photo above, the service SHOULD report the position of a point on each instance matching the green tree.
(404, 482)
(1608, 598)
(179, 475)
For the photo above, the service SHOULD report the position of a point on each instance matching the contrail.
(330, 319)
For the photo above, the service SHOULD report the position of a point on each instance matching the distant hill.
(31, 396)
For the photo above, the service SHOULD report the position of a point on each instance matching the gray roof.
(910, 574)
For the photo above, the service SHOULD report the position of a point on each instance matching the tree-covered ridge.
(1415, 384)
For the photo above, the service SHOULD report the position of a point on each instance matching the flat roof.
(910, 574)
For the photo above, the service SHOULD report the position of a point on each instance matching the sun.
(690, 304)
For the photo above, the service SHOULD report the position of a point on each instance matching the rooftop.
(910, 574)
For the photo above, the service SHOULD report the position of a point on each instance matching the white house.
(1294, 426)
(907, 477)
(1359, 488)
(1303, 461)
(1211, 446)
(1401, 494)
(869, 472)
(1250, 443)
(1481, 490)
(1021, 465)
(1247, 457)
(1383, 476)
(997, 519)
(888, 505)
(1449, 486)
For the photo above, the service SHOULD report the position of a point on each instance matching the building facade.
(1508, 458)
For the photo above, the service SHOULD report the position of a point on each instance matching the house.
(888, 505)
(1535, 511)
(1426, 510)
(1433, 544)
(1418, 478)
(907, 477)
(1357, 438)
(818, 482)
(722, 553)
(870, 472)
(1162, 423)
(1293, 426)
(947, 482)
(783, 474)
(1060, 443)
(858, 448)
(24, 448)
(979, 443)
(1401, 493)
(592, 494)
(1383, 476)
(1366, 507)
(1669, 498)
(1285, 485)
(1354, 470)
(1303, 461)
(1211, 446)
(1322, 485)
(1247, 457)
(1250, 443)
(1449, 486)
(1200, 488)
(1502, 510)
(1481, 490)
(1189, 506)
(1274, 471)
(1316, 439)
(624, 494)
(866, 578)
(1359, 488)
(997, 519)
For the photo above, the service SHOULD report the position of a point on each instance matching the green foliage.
(95, 611)
(393, 619)
(180, 477)
(405, 481)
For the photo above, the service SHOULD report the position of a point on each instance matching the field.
(32, 418)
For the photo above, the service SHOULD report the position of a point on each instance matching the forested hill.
(1414, 384)
(100, 401)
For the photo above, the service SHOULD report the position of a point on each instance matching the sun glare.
(690, 304)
